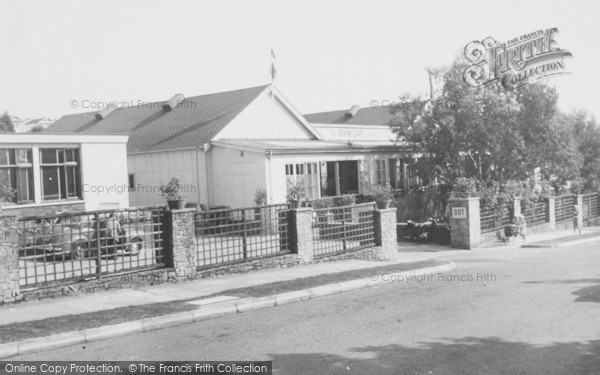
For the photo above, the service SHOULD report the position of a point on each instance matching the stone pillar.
(181, 251)
(579, 203)
(551, 218)
(301, 234)
(516, 207)
(465, 225)
(385, 232)
(9, 258)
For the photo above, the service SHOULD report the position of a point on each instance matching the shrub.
(422, 206)
(499, 197)
(260, 196)
(344, 200)
(6, 194)
(322, 203)
(295, 191)
(172, 189)
(383, 195)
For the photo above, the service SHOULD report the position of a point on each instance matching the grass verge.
(50, 326)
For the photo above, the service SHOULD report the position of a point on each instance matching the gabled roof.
(364, 116)
(193, 122)
(35, 121)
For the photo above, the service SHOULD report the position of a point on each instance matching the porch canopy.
(331, 167)
(302, 146)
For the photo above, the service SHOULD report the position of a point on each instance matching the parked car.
(78, 237)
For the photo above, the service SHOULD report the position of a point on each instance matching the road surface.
(525, 311)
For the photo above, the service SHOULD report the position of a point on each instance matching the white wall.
(104, 175)
(103, 167)
(265, 118)
(235, 176)
(150, 169)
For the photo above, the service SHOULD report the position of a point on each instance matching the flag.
(273, 70)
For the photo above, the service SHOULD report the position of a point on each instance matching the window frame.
(298, 173)
(15, 168)
(64, 171)
(381, 172)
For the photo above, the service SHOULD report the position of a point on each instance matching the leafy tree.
(464, 132)
(6, 124)
(586, 134)
(37, 129)
(487, 133)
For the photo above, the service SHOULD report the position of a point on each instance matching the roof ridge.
(166, 100)
(151, 128)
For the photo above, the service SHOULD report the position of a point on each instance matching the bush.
(344, 200)
(172, 190)
(321, 203)
(295, 191)
(422, 206)
(260, 196)
(499, 197)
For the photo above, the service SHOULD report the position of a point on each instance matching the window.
(311, 181)
(131, 181)
(363, 177)
(381, 178)
(306, 174)
(59, 173)
(16, 172)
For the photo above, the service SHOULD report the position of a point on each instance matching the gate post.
(301, 234)
(579, 203)
(465, 222)
(551, 219)
(385, 232)
(516, 208)
(9, 258)
(181, 250)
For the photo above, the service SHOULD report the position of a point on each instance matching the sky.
(61, 57)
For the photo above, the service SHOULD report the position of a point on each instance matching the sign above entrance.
(363, 133)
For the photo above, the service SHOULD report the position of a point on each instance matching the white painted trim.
(238, 147)
(54, 138)
(294, 111)
(165, 150)
(358, 126)
(42, 204)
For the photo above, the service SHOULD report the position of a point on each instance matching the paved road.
(532, 311)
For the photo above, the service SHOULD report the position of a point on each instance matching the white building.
(75, 172)
(224, 146)
(26, 125)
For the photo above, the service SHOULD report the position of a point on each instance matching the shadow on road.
(586, 294)
(464, 356)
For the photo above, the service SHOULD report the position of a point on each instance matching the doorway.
(339, 177)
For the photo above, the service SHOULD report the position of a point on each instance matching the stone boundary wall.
(180, 256)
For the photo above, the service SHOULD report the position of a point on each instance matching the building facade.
(47, 172)
(225, 146)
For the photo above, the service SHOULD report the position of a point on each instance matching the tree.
(486, 132)
(586, 134)
(6, 124)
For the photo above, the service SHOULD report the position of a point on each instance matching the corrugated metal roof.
(194, 122)
(365, 116)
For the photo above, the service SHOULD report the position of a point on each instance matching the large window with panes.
(381, 175)
(16, 174)
(306, 174)
(60, 174)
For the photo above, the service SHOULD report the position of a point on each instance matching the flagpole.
(273, 74)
